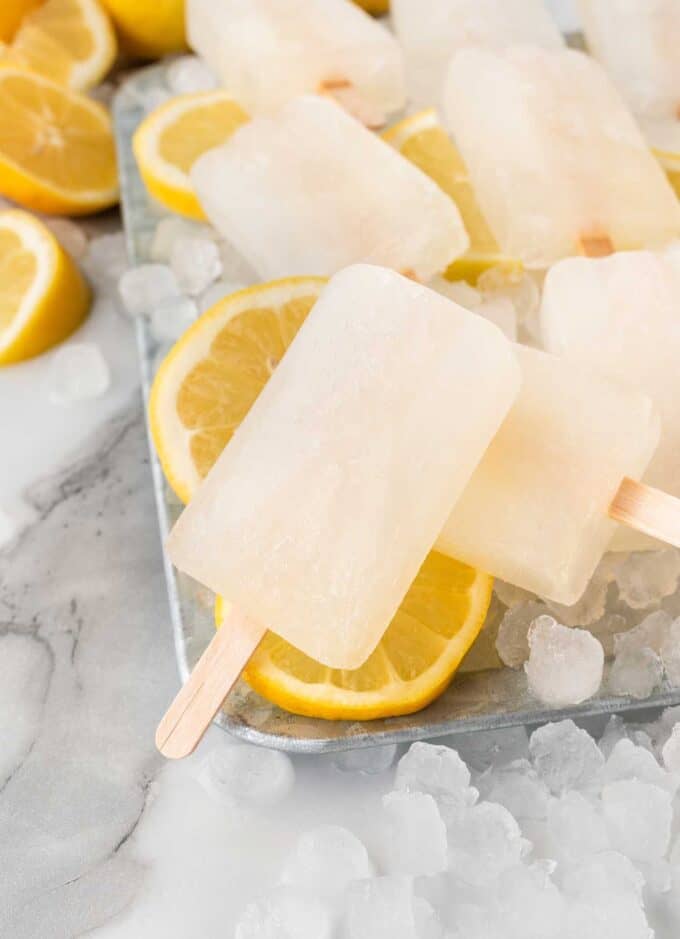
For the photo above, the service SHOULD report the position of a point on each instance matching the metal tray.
(483, 695)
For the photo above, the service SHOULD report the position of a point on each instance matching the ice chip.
(285, 914)
(628, 760)
(172, 317)
(645, 578)
(670, 653)
(575, 827)
(428, 925)
(415, 835)
(170, 229)
(188, 75)
(325, 860)
(530, 905)
(565, 757)
(512, 641)
(565, 664)
(638, 817)
(366, 760)
(382, 908)
(518, 787)
(144, 287)
(608, 872)
(77, 371)
(106, 259)
(650, 633)
(609, 915)
(437, 771)
(484, 842)
(635, 672)
(195, 261)
(246, 775)
(495, 748)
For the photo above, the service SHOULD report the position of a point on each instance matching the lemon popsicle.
(558, 163)
(311, 191)
(268, 51)
(430, 33)
(318, 514)
(535, 512)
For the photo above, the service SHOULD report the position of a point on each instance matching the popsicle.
(318, 514)
(536, 511)
(311, 191)
(268, 51)
(637, 41)
(429, 34)
(557, 162)
(621, 315)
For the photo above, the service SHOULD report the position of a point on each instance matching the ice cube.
(71, 237)
(635, 673)
(518, 788)
(325, 860)
(638, 817)
(646, 577)
(517, 287)
(77, 371)
(285, 914)
(172, 317)
(530, 905)
(650, 633)
(495, 748)
(629, 761)
(608, 915)
(382, 908)
(247, 775)
(565, 664)
(439, 772)
(609, 872)
(575, 828)
(512, 642)
(188, 74)
(427, 923)
(671, 751)
(106, 259)
(218, 291)
(144, 287)
(565, 757)
(606, 629)
(592, 605)
(484, 842)
(195, 262)
(670, 653)
(172, 229)
(415, 835)
(367, 760)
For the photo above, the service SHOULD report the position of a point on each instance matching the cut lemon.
(376, 7)
(69, 41)
(150, 28)
(212, 375)
(56, 146)
(172, 138)
(43, 297)
(423, 141)
(12, 13)
(437, 622)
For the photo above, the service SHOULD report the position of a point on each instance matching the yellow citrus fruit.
(43, 296)
(437, 622)
(148, 28)
(57, 152)
(423, 141)
(12, 13)
(212, 375)
(69, 41)
(174, 135)
(376, 7)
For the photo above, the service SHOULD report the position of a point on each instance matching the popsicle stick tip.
(648, 510)
(595, 245)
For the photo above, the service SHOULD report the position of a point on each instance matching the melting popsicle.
(311, 191)
(430, 33)
(557, 162)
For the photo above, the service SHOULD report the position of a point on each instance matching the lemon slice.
(43, 297)
(437, 622)
(171, 138)
(69, 41)
(423, 141)
(56, 146)
(150, 28)
(11, 14)
(213, 374)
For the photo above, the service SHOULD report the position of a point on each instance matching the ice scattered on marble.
(77, 371)
(285, 914)
(512, 641)
(195, 261)
(382, 908)
(670, 653)
(144, 287)
(485, 841)
(188, 74)
(247, 775)
(414, 834)
(645, 578)
(565, 664)
(575, 827)
(565, 757)
(635, 672)
(218, 291)
(172, 317)
(326, 860)
(71, 236)
(439, 772)
(367, 760)
(638, 816)
(671, 751)
(106, 260)
(171, 229)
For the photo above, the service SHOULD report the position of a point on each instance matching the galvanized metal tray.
(483, 695)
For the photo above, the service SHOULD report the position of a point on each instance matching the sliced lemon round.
(437, 622)
(174, 135)
(56, 146)
(423, 141)
(43, 296)
(212, 375)
(11, 14)
(70, 41)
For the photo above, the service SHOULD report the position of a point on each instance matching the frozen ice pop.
(620, 315)
(637, 41)
(311, 191)
(557, 162)
(268, 51)
(319, 512)
(535, 511)
(430, 33)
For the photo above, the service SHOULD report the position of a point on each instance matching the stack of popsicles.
(398, 420)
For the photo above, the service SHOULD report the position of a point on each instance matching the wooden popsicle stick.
(347, 96)
(211, 680)
(648, 510)
(595, 245)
